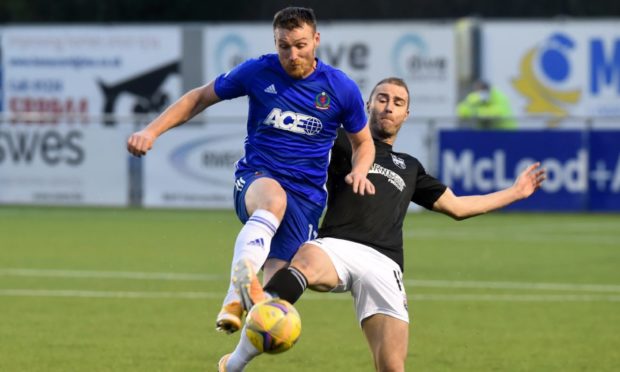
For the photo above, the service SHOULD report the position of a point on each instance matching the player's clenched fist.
(140, 142)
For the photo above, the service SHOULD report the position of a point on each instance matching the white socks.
(243, 354)
(253, 243)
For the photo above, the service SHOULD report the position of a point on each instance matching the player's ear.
(317, 38)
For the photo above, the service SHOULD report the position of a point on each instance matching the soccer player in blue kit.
(296, 105)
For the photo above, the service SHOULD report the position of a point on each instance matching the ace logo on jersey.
(294, 122)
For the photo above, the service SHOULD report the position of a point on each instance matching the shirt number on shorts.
(312, 234)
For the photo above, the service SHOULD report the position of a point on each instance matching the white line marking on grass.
(513, 285)
(48, 273)
(309, 296)
(105, 294)
(514, 298)
(516, 236)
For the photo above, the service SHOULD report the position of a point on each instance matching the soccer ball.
(273, 326)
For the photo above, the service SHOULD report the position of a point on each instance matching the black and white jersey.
(376, 220)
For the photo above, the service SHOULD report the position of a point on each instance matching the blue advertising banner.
(604, 168)
(479, 162)
(1, 80)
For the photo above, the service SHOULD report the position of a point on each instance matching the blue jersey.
(292, 123)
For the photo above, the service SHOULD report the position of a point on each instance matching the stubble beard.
(380, 131)
(296, 71)
(300, 70)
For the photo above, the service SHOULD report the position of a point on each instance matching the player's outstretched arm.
(462, 207)
(185, 108)
(361, 160)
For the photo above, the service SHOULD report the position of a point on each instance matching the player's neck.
(312, 69)
(387, 141)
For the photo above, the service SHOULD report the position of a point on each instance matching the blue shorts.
(300, 222)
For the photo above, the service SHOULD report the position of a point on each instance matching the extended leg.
(265, 202)
(388, 339)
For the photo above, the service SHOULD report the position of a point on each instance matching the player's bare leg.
(388, 339)
(272, 265)
(317, 267)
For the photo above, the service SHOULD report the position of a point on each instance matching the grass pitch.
(138, 290)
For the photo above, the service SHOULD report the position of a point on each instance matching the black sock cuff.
(288, 284)
(301, 278)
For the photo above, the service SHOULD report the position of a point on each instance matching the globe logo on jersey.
(544, 75)
(294, 122)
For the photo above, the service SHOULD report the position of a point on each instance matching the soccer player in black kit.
(360, 245)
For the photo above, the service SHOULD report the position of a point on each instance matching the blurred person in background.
(360, 242)
(487, 108)
(297, 103)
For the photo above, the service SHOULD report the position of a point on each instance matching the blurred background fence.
(72, 94)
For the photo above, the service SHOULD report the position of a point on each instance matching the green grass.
(68, 302)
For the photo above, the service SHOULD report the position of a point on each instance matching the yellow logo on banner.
(543, 97)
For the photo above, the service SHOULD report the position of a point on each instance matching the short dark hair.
(392, 80)
(294, 17)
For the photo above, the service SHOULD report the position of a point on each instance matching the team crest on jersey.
(322, 101)
(400, 163)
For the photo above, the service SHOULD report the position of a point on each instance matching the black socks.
(288, 284)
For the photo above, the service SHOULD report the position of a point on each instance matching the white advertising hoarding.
(225, 47)
(65, 163)
(90, 70)
(555, 68)
(420, 53)
(1, 75)
(193, 167)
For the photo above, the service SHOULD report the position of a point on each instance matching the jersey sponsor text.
(392, 176)
(294, 122)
